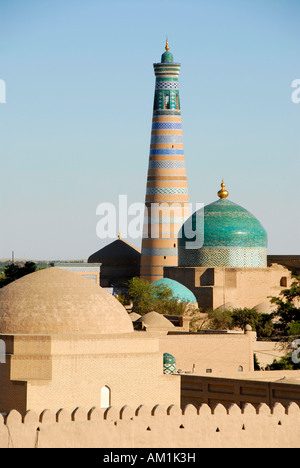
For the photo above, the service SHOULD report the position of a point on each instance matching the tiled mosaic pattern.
(166, 165)
(223, 257)
(159, 190)
(166, 132)
(166, 126)
(166, 85)
(233, 237)
(159, 252)
(169, 363)
(171, 139)
(164, 112)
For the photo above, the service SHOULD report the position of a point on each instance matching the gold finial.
(223, 193)
(167, 45)
(119, 236)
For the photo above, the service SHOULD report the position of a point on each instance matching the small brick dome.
(57, 301)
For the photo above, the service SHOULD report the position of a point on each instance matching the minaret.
(166, 194)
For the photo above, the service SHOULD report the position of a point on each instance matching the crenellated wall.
(157, 427)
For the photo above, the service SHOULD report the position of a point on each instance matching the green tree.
(261, 323)
(220, 319)
(13, 272)
(256, 363)
(294, 328)
(284, 363)
(141, 294)
(147, 297)
(243, 317)
(288, 312)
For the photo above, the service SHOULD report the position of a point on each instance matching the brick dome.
(57, 301)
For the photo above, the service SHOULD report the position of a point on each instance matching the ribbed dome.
(57, 301)
(181, 292)
(231, 236)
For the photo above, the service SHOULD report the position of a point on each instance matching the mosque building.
(166, 193)
(225, 262)
(230, 264)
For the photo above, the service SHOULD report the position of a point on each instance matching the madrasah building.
(75, 372)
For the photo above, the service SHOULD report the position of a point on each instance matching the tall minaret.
(167, 194)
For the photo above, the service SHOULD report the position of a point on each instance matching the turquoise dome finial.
(167, 57)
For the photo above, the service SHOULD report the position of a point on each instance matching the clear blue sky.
(75, 129)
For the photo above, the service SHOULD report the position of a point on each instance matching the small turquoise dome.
(167, 57)
(179, 291)
(169, 363)
(226, 235)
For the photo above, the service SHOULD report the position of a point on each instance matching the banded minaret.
(166, 194)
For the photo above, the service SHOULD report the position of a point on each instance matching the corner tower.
(167, 193)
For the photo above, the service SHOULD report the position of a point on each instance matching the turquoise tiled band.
(161, 191)
(223, 257)
(164, 139)
(159, 252)
(166, 165)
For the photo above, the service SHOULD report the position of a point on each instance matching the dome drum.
(231, 257)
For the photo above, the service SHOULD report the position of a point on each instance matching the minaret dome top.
(167, 57)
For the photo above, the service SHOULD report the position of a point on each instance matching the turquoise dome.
(169, 363)
(231, 235)
(180, 291)
(167, 57)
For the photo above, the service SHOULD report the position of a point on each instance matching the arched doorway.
(105, 397)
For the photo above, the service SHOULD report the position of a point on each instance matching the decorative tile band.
(223, 257)
(159, 78)
(166, 85)
(174, 112)
(154, 152)
(166, 165)
(159, 252)
(166, 126)
(161, 191)
(162, 139)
